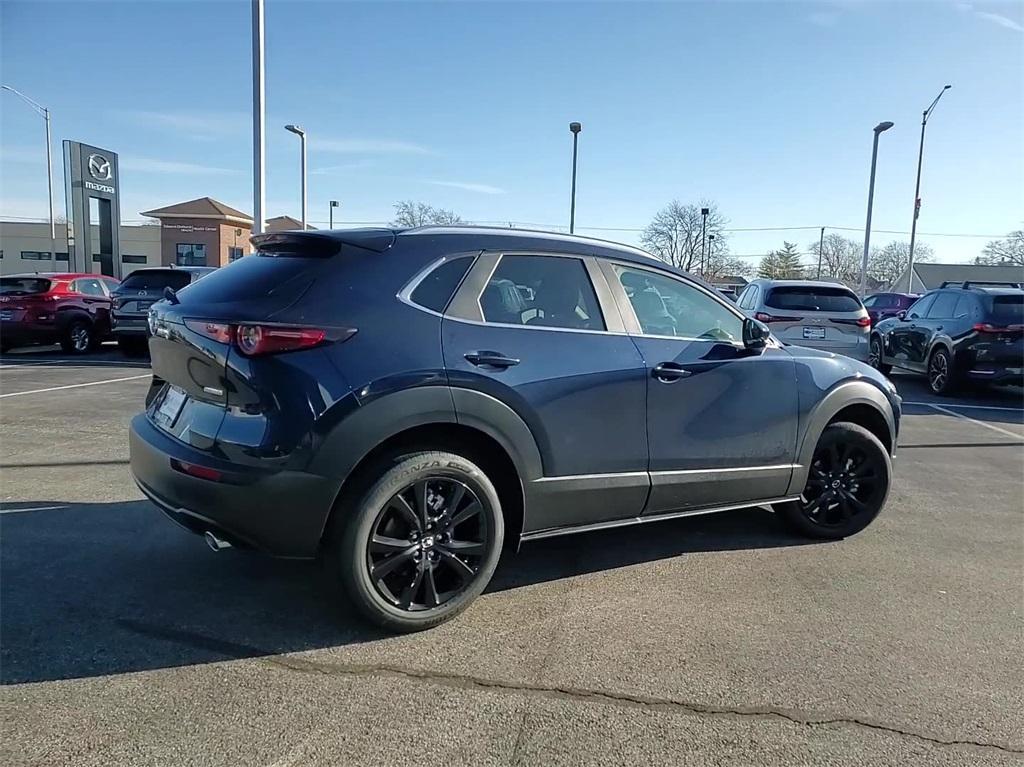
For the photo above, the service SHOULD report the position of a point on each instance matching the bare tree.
(674, 236)
(886, 264)
(409, 214)
(1009, 251)
(840, 258)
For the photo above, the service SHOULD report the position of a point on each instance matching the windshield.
(812, 298)
(1008, 310)
(156, 279)
(23, 286)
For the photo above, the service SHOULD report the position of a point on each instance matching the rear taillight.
(864, 322)
(194, 470)
(216, 331)
(988, 327)
(764, 317)
(254, 340)
(860, 322)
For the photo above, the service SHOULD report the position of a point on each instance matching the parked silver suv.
(822, 315)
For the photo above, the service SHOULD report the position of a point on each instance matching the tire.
(855, 458)
(422, 582)
(875, 356)
(942, 378)
(77, 337)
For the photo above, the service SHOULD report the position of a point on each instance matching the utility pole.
(259, 148)
(821, 247)
(917, 190)
(703, 230)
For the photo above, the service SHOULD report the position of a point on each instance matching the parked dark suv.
(963, 332)
(139, 291)
(402, 403)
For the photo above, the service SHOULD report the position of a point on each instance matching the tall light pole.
(917, 188)
(302, 142)
(879, 130)
(259, 147)
(821, 247)
(333, 204)
(45, 114)
(703, 228)
(575, 128)
(711, 249)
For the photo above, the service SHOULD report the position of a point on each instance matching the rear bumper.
(858, 351)
(19, 333)
(997, 374)
(280, 512)
(130, 326)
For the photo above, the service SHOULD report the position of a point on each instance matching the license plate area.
(170, 406)
(817, 333)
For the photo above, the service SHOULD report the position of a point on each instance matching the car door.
(936, 324)
(721, 420)
(904, 340)
(528, 330)
(95, 300)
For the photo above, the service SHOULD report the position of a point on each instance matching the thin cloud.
(330, 170)
(996, 18)
(469, 187)
(368, 146)
(203, 126)
(149, 165)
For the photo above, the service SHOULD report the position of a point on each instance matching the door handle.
(490, 359)
(670, 372)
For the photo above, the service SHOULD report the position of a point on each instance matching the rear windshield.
(1008, 310)
(251, 277)
(156, 279)
(812, 298)
(23, 286)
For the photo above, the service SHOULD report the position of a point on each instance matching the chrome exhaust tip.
(215, 543)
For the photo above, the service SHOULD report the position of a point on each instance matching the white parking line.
(78, 363)
(34, 508)
(966, 407)
(941, 409)
(73, 386)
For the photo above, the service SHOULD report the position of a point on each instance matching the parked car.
(139, 291)
(404, 403)
(960, 333)
(820, 315)
(882, 306)
(71, 309)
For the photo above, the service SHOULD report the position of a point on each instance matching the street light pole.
(575, 128)
(879, 129)
(711, 249)
(821, 247)
(333, 204)
(302, 143)
(45, 113)
(703, 228)
(259, 148)
(917, 189)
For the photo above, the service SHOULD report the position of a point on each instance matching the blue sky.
(766, 108)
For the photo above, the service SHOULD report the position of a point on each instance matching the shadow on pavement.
(97, 589)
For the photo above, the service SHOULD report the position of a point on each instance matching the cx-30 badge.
(99, 167)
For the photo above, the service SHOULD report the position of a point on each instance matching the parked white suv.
(822, 315)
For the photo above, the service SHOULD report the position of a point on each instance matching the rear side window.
(964, 306)
(23, 286)
(253, 277)
(943, 306)
(1008, 310)
(545, 291)
(812, 298)
(90, 288)
(437, 288)
(156, 279)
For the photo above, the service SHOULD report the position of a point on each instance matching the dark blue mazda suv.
(404, 404)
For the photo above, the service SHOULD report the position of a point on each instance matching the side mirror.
(901, 315)
(755, 334)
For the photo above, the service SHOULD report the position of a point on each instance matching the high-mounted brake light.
(254, 340)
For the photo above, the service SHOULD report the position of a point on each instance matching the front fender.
(841, 396)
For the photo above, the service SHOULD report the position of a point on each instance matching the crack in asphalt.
(237, 651)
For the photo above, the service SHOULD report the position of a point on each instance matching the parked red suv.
(46, 308)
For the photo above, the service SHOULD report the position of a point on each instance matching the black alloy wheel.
(875, 356)
(427, 543)
(940, 372)
(847, 484)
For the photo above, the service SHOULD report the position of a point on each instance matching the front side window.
(921, 306)
(943, 306)
(669, 307)
(191, 254)
(545, 291)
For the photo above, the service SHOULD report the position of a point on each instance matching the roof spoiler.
(971, 283)
(322, 243)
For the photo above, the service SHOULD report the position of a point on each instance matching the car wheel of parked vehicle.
(421, 543)
(77, 337)
(847, 484)
(941, 376)
(875, 357)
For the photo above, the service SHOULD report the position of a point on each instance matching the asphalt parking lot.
(702, 641)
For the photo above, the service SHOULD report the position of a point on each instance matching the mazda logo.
(99, 167)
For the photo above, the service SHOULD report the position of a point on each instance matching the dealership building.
(201, 232)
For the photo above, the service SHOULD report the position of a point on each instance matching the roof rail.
(965, 284)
